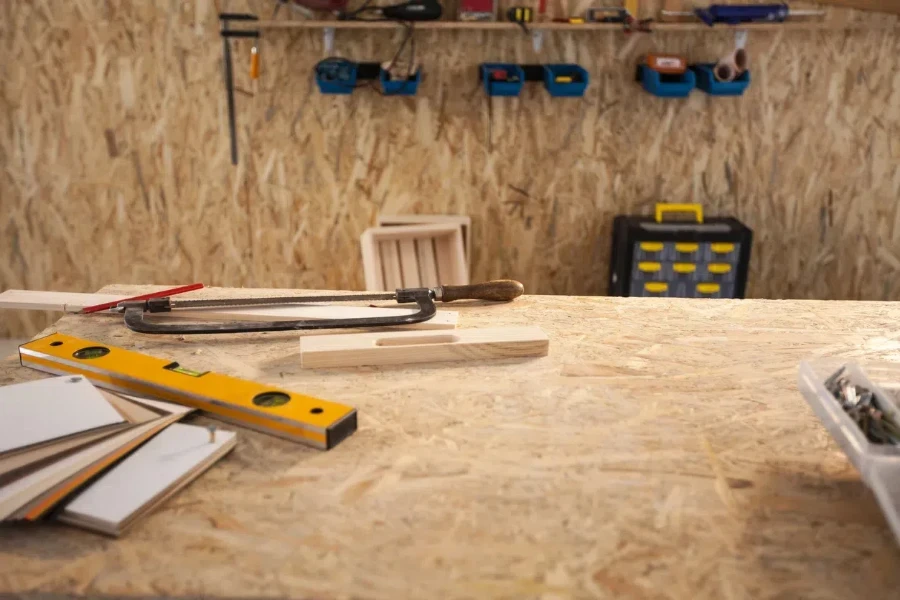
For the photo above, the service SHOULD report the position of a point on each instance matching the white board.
(174, 457)
(48, 409)
(24, 490)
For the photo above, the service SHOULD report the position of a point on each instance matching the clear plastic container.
(878, 464)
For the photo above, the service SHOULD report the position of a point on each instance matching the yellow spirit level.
(289, 415)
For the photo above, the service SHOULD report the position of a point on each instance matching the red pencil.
(162, 294)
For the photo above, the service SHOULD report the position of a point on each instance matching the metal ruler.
(297, 417)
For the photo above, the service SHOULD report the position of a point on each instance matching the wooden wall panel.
(116, 168)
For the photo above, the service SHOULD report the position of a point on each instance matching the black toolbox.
(703, 258)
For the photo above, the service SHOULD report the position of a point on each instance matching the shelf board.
(804, 25)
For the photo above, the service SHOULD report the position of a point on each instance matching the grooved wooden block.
(397, 348)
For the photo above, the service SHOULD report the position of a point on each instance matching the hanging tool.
(520, 15)
(734, 14)
(615, 14)
(414, 10)
(225, 19)
(306, 7)
(605, 14)
(254, 61)
(478, 10)
(631, 7)
(503, 290)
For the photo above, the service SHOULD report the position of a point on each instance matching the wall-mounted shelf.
(806, 25)
(245, 25)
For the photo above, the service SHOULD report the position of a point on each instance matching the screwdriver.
(254, 62)
(734, 14)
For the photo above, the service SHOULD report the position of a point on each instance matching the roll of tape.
(725, 69)
(732, 66)
(741, 60)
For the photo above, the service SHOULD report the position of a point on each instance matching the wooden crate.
(463, 221)
(413, 256)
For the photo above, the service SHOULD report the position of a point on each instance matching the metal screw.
(864, 407)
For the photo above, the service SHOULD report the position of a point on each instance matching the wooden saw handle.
(499, 290)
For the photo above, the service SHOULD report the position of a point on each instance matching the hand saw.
(501, 290)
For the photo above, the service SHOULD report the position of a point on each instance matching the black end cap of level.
(341, 431)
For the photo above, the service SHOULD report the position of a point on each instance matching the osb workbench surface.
(662, 450)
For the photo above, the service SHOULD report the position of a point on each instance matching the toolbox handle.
(661, 209)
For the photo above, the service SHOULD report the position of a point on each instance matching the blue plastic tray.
(342, 81)
(666, 86)
(502, 88)
(399, 87)
(707, 82)
(576, 88)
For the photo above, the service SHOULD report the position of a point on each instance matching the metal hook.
(328, 39)
(537, 39)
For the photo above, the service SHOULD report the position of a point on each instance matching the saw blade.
(223, 302)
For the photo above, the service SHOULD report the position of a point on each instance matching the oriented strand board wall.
(116, 168)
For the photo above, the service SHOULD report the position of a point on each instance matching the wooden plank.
(409, 263)
(883, 6)
(390, 259)
(406, 232)
(693, 26)
(38, 300)
(159, 406)
(74, 468)
(427, 264)
(55, 301)
(46, 501)
(134, 412)
(175, 457)
(404, 347)
(16, 465)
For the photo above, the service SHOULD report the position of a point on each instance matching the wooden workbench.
(662, 450)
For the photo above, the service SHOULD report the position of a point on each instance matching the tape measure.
(297, 417)
(671, 64)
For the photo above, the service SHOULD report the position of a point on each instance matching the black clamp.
(226, 18)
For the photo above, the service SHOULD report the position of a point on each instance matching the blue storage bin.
(579, 80)
(399, 87)
(336, 76)
(664, 85)
(502, 88)
(707, 82)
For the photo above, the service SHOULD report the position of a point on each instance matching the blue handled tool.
(734, 14)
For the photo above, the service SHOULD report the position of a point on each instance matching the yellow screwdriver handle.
(254, 63)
